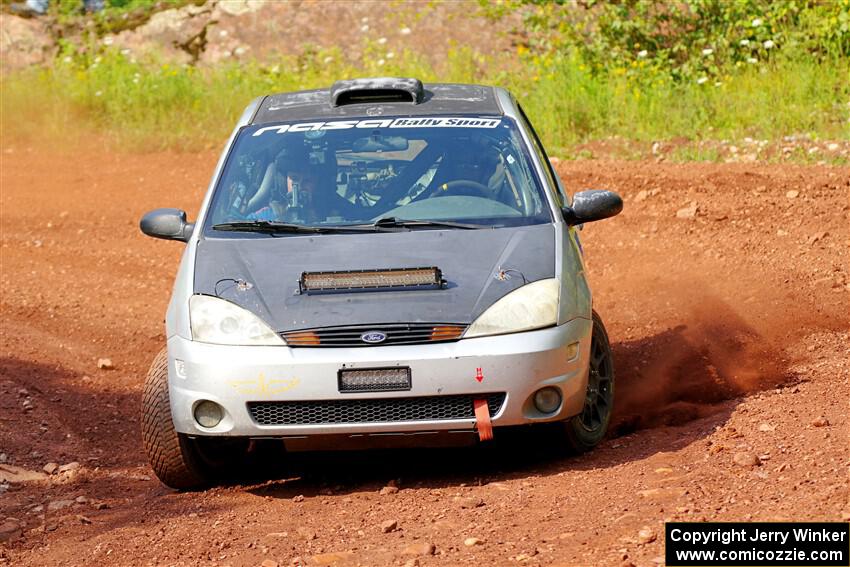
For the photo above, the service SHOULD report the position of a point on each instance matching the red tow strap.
(482, 420)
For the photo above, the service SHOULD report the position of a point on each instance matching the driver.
(299, 192)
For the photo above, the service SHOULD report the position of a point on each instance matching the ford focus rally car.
(375, 261)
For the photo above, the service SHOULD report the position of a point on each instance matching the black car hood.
(470, 261)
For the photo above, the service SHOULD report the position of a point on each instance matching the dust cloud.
(684, 372)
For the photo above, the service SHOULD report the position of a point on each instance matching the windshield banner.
(417, 122)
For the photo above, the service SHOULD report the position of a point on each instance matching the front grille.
(425, 408)
(396, 334)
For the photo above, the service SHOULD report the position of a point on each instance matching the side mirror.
(169, 224)
(592, 205)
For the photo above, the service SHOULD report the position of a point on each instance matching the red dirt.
(730, 331)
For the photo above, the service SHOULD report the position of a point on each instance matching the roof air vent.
(370, 91)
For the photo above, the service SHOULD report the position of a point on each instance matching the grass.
(150, 105)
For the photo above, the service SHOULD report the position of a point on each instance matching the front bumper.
(516, 365)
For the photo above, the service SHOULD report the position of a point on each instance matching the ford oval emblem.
(373, 337)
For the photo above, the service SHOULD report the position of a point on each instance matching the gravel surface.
(726, 295)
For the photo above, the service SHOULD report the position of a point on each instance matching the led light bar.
(374, 379)
(370, 279)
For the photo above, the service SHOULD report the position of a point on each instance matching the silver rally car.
(382, 260)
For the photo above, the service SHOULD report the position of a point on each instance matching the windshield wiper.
(265, 226)
(381, 225)
(276, 227)
(393, 222)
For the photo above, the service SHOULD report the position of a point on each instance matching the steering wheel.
(459, 187)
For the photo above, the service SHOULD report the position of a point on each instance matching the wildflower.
(135, 80)
(756, 22)
(404, 31)
(98, 93)
(702, 80)
(642, 53)
(364, 19)
(327, 59)
(108, 40)
(745, 42)
(707, 51)
(752, 60)
(97, 59)
(717, 83)
(67, 59)
(381, 62)
(390, 54)
(382, 40)
(768, 44)
(364, 28)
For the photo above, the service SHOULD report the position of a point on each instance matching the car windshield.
(472, 170)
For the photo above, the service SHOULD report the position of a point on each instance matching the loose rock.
(105, 364)
(389, 490)
(331, 558)
(10, 530)
(816, 237)
(472, 541)
(792, 194)
(72, 466)
(298, 498)
(59, 505)
(424, 548)
(688, 212)
(389, 526)
(745, 459)
(50, 468)
(269, 563)
(820, 421)
(646, 535)
(469, 501)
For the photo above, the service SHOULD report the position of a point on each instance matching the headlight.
(530, 307)
(220, 322)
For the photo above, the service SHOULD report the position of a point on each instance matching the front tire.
(170, 454)
(587, 429)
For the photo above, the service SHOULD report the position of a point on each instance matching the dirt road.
(726, 294)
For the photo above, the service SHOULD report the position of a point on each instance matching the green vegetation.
(694, 81)
(684, 39)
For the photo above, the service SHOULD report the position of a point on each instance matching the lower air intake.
(424, 408)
